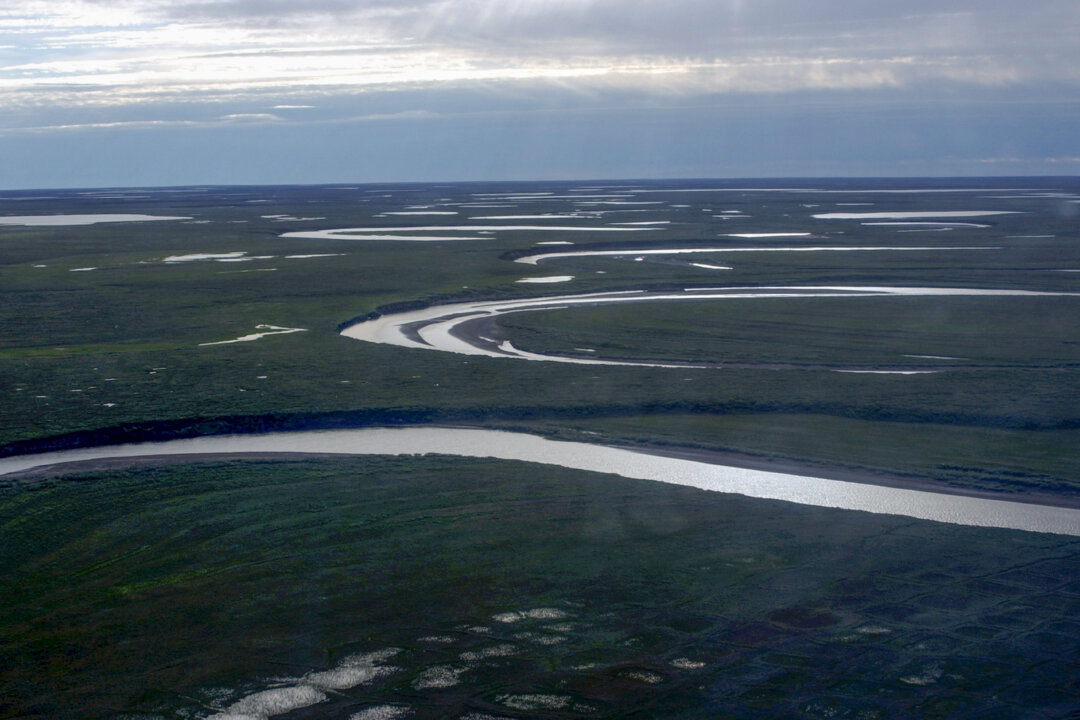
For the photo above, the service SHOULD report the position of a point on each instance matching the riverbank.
(701, 455)
(853, 475)
(625, 462)
(182, 591)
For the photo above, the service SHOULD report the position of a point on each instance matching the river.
(479, 443)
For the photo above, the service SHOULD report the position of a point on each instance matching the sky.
(108, 93)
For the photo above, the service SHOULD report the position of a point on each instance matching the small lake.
(941, 507)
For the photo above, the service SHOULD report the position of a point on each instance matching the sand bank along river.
(941, 507)
(446, 328)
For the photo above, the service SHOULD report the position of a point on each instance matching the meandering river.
(941, 507)
(446, 327)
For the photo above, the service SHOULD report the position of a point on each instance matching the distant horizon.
(174, 93)
(555, 181)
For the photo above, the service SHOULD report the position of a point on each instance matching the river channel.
(465, 442)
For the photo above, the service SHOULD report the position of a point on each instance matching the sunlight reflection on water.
(941, 507)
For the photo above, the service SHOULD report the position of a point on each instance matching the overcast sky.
(169, 92)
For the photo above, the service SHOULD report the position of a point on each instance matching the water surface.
(805, 490)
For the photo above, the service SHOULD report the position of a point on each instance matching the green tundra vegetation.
(176, 591)
(116, 351)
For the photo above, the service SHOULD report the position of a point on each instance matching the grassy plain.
(118, 347)
(169, 592)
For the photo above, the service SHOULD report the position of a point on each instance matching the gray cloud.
(699, 28)
(269, 11)
(732, 28)
(543, 53)
(174, 91)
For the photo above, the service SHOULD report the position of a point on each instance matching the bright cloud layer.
(533, 88)
(122, 52)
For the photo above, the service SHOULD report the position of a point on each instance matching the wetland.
(932, 354)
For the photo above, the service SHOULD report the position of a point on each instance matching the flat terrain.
(178, 591)
(525, 591)
(118, 351)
